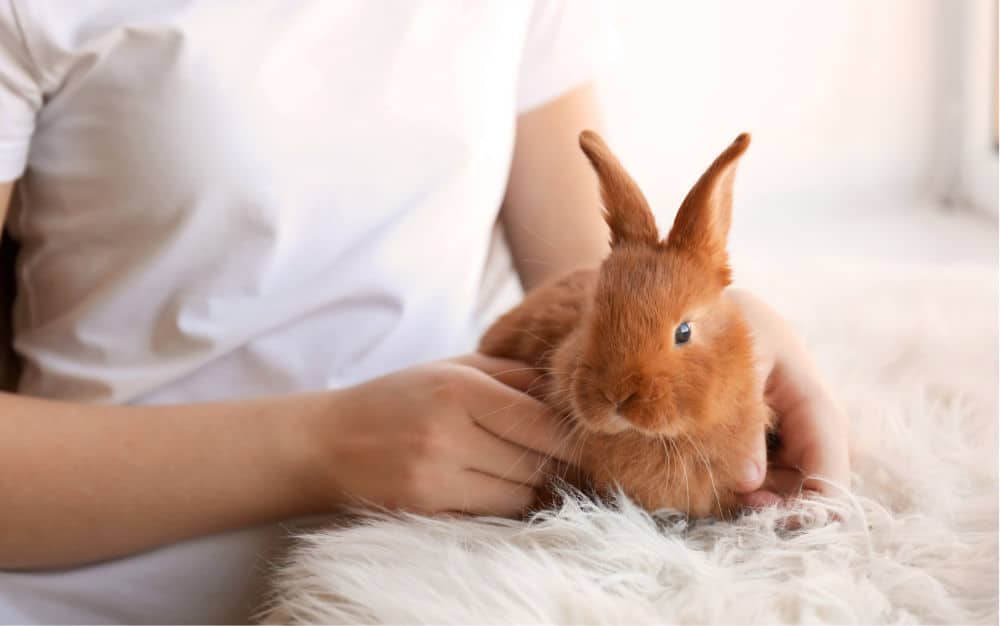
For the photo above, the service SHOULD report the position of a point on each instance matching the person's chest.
(362, 100)
(239, 147)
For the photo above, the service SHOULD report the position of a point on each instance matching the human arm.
(80, 483)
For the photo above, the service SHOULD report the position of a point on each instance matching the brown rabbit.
(644, 355)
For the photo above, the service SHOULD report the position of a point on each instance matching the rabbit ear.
(702, 223)
(625, 208)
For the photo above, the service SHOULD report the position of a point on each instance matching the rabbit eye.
(683, 333)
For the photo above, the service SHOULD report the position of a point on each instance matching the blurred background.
(874, 121)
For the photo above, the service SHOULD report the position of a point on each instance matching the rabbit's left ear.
(625, 208)
(702, 223)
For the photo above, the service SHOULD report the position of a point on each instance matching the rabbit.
(643, 355)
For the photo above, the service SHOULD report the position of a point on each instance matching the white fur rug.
(911, 350)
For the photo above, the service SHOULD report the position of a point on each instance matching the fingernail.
(751, 472)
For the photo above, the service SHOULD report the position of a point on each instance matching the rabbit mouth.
(615, 423)
(609, 422)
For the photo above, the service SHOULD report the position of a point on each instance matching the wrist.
(305, 431)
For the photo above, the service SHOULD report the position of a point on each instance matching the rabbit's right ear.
(702, 223)
(625, 208)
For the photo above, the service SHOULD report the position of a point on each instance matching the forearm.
(82, 483)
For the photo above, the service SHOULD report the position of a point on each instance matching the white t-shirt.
(229, 199)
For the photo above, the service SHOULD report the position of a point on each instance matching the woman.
(249, 235)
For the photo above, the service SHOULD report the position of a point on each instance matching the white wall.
(841, 96)
(968, 160)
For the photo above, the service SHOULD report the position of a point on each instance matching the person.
(252, 240)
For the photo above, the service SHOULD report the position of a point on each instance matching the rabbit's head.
(659, 351)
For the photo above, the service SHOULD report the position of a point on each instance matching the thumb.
(753, 468)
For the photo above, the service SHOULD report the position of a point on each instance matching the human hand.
(452, 436)
(813, 428)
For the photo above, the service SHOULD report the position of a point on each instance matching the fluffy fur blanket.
(912, 352)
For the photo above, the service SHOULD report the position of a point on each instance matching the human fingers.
(780, 485)
(518, 418)
(512, 373)
(482, 494)
(488, 454)
(754, 466)
(761, 499)
(785, 482)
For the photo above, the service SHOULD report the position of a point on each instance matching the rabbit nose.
(619, 399)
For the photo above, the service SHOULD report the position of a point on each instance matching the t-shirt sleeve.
(20, 95)
(568, 43)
